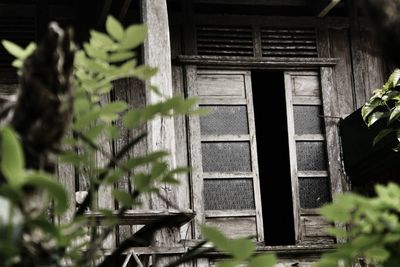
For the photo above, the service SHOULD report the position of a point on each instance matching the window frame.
(324, 67)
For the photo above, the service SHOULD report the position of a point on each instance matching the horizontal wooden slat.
(222, 101)
(227, 40)
(290, 41)
(214, 85)
(223, 52)
(276, 62)
(227, 175)
(288, 53)
(235, 227)
(211, 138)
(222, 40)
(289, 47)
(309, 137)
(306, 100)
(143, 217)
(282, 30)
(209, 46)
(296, 42)
(310, 174)
(314, 226)
(229, 213)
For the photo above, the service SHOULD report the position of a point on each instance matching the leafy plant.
(28, 233)
(384, 105)
(374, 228)
(373, 232)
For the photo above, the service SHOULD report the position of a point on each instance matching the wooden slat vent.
(288, 42)
(17, 30)
(224, 40)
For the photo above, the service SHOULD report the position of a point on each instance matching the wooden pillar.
(157, 53)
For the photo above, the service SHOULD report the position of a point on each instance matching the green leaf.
(124, 197)
(145, 72)
(14, 49)
(73, 158)
(369, 107)
(101, 38)
(120, 56)
(381, 135)
(375, 117)
(132, 118)
(46, 226)
(114, 107)
(81, 104)
(241, 248)
(53, 188)
(86, 119)
(266, 260)
(394, 77)
(95, 53)
(377, 253)
(142, 182)
(17, 63)
(395, 113)
(30, 49)
(134, 36)
(216, 237)
(142, 160)
(227, 263)
(12, 158)
(13, 194)
(114, 28)
(110, 111)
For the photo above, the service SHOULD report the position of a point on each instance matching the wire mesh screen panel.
(224, 120)
(307, 119)
(228, 194)
(226, 156)
(311, 156)
(314, 192)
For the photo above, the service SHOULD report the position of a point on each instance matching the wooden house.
(276, 76)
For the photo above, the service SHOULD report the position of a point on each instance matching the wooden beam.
(256, 2)
(322, 7)
(157, 53)
(140, 217)
(256, 62)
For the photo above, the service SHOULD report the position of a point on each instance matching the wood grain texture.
(373, 65)
(184, 196)
(133, 92)
(235, 227)
(292, 154)
(104, 197)
(157, 52)
(254, 157)
(340, 48)
(195, 159)
(213, 84)
(270, 62)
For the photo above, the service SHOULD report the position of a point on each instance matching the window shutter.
(227, 159)
(308, 156)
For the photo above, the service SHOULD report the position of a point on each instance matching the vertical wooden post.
(157, 53)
